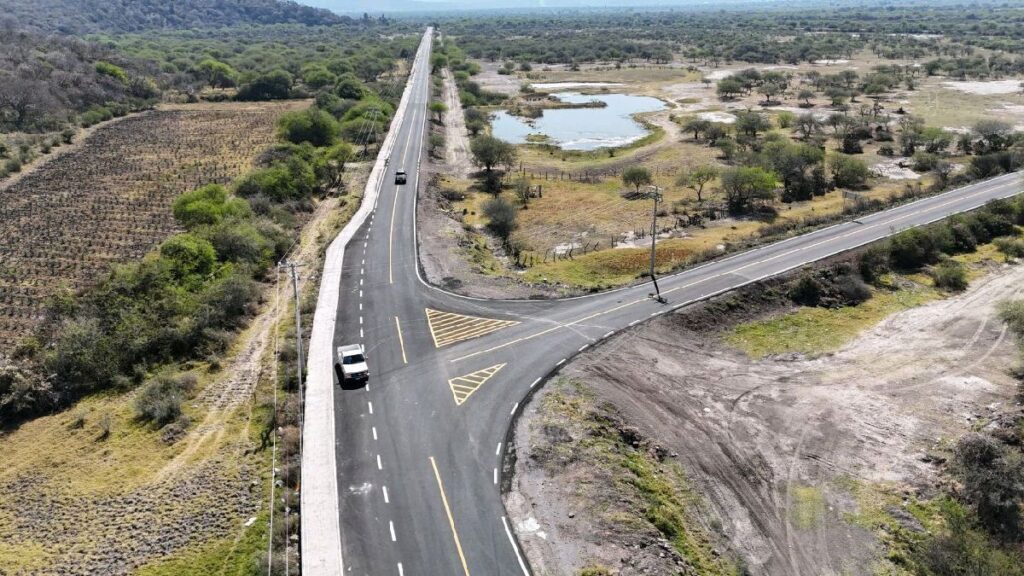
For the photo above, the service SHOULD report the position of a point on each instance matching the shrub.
(1012, 312)
(963, 238)
(207, 205)
(873, 262)
(993, 483)
(807, 291)
(112, 70)
(292, 179)
(159, 401)
(950, 274)
(925, 161)
(502, 217)
(1012, 247)
(911, 249)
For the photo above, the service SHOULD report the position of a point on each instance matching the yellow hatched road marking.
(448, 327)
(464, 386)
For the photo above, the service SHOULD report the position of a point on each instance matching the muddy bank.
(774, 449)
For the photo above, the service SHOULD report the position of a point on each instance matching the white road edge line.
(495, 475)
(512, 541)
(514, 407)
(535, 382)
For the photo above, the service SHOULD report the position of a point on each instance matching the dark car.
(400, 177)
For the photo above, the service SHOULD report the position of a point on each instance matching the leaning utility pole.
(655, 193)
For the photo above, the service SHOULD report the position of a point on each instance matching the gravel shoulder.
(772, 446)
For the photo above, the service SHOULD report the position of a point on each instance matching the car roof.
(350, 349)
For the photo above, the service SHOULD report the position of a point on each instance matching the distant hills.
(96, 16)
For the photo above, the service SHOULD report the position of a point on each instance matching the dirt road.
(774, 445)
(456, 137)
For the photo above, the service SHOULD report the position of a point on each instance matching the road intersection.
(419, 450)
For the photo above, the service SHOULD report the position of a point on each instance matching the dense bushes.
(917, 247)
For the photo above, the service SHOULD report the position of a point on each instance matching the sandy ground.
(772, 444)
(456, 137)
(988, 88)
(490, 80)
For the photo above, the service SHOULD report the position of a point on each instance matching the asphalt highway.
(419, 448)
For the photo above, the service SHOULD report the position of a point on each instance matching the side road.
(321, 532)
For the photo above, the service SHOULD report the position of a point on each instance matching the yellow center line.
(401, 341)
(451, 520)
(708, 279)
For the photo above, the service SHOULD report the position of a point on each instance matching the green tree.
(312, 125)
(745, 185)
(698, 178)
(274, 85)
(438, 109)
(637, 176)
(349, 87)
(437, 62)
(329, 165)
(489, 152)
(729, 88)
(751, 123)
(847, 171)
(216, 73)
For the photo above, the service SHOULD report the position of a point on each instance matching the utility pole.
(655, 193)
(291, 266)
(298, 324)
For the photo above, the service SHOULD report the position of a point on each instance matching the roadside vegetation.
(913, 267)
(163, 363)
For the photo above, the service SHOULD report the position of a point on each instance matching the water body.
(581, 128)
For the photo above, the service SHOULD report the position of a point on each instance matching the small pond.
(581, 128)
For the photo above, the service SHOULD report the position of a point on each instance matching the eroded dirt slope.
(772, 446)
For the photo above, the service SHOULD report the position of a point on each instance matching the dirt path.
(774, 444)
(456, 136)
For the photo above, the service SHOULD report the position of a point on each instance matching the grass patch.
(228, 557)
(808, 506)
(608, 268)
(814, 331)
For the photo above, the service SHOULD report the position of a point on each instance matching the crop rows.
(109, 201)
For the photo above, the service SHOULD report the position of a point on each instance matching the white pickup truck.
(352, 360)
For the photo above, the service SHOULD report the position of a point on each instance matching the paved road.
(418, 449)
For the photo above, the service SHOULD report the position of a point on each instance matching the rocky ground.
(776, 448)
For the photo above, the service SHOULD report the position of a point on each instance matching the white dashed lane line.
(380, 465)
(386, 499)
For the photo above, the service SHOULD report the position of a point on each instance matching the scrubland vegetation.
(818, 117)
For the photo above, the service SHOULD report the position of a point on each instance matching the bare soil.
(456, 137)
(772, 445)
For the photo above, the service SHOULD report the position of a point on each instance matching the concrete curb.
(321, 528)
